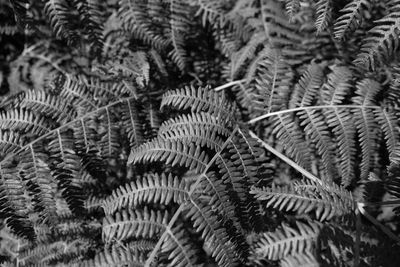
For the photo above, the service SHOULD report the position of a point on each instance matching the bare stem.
(222, 87)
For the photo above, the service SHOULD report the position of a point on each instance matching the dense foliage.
(199, 133)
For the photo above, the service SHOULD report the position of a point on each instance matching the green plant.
(201, 132)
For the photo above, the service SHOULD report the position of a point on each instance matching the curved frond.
(324, 13)
(171, 152)
(381, 42)
(153, 188)
(197, 100)
(351, 17)
(134, 223)
(58, 13)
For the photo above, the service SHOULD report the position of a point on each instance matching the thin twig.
(222, 87)
(384, 229)
(296, 166)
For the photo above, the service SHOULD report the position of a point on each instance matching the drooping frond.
(323, 12)
(65, 167)
(179, 22)
(381, 42)
(351, 17)
(57, 11)
(89, 11)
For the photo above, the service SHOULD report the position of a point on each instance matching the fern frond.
(306, 259)
(323, 13)
(304, 197)
(351, 17)
(114, 256)
(37, 171)
(273, 82)
(23, 121)
(307, 87)
(389, 127)
(134, 223)
(292, 7)
(65, 167)
(337, 86)
(58, 13)
(110, 139)
(365, 123)
(381, 42)
(10, 141)
(130, 119)
(134, 20)
(200, 120)
(342, 123)
(239, 58)
(212, 12)
(199, 128)
(201, 99)
(213, 233)
(217, 195)
(286, 241)
(47, 105)
(89, 10)
(179, 22)
(171, 152)
(316, 128)
(15, 205)
(292, 138)
(151, 189)
(180, 249)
